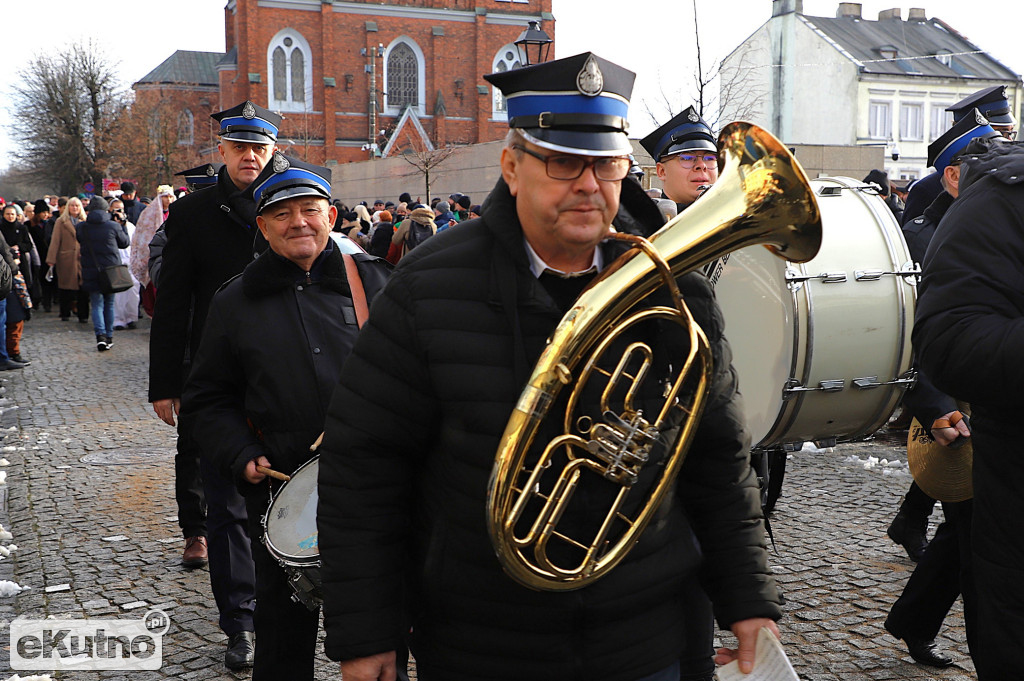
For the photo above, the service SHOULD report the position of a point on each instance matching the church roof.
(185, 66)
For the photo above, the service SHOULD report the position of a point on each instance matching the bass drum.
(822, 349)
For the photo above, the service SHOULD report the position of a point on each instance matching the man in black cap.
(424, 400)
(201, 176)
(267, 366)
(994, 106)
(211, 237)
(132, 206)
(687, 154)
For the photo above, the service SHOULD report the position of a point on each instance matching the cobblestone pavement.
(89, 501)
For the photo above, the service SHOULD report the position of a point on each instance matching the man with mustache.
(687, 154)
(211, 237)
(424, 399)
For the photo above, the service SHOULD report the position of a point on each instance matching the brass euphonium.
(762, 197)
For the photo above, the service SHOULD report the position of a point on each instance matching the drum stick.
(313, 447)
(272, 473)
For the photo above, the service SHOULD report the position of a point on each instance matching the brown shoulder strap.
(355, 284)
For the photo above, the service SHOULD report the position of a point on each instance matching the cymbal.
(943, 473)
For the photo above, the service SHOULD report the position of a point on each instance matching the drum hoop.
(283, 557)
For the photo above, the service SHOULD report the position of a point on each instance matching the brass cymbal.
(943, 473)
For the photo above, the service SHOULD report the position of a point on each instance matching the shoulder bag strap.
(355, 285)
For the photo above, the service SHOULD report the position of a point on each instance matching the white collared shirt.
(539, 267)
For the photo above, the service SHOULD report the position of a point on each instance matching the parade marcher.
(967, 338)
(423, 402)
(258, 394)
(211, 237)
(100, 240)
(687, 154)
(995, 107)
(944, 570)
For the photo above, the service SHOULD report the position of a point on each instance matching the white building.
(849, 80)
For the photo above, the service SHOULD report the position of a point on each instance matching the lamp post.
(533, 44)
(373, 53)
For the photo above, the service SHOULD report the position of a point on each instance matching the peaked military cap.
(942, 151)
(201, 176)
(577, 105)
(991, 102)
(287, 178)
(686, 130)
(248, 122)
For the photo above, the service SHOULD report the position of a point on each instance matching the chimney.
(917, 14)
(780, 7)
(848, 9)
(889, 14)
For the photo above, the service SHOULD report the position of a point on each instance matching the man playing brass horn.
(424, 399)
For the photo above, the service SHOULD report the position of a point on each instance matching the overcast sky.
(654, 40)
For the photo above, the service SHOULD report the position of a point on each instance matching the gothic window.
(291, 74)
(186, 128)
(403, 77)
(506, 60)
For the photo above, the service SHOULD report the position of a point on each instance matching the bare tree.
(64, 114)
(426, 160)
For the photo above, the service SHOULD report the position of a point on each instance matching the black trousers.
(232, 574)
(697, 660)
(188, 486)
(917, 505)
(943, 573)
(67, 297)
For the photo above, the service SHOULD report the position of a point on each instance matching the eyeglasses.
(687, 161)
(568, 167)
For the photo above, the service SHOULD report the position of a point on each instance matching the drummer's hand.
(167, 409)
(945, 436)
(746, 632)
(251, 474)
(379, 667)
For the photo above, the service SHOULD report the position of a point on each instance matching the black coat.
(380, 242)
(211, 237)
(17, 234)
(412, 434)
(133, 209)
(921, 195)
(100, 239)
(271, 355)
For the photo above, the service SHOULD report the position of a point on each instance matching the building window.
(291, 72)
(880, 120)
(942, 121)
(944, 57)
(912, 122)
(506, 60)
(186, 128)
(403, 77)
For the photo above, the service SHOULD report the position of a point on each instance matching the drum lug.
(870, 382)
(794, 280)
(827, 386)
(909, 269)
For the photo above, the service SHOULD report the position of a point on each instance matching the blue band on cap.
(254, 122)
(570, 102)
(958, 144)
(297, 174)
(200, 179)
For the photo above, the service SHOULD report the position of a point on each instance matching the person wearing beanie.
(880, 179)
(43, 291)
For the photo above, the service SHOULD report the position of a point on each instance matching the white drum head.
(290, 529)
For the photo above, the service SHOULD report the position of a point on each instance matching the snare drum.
(290, 533)
(822, 349)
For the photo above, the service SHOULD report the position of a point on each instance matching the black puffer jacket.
(270, 358)
(101, 238)
(411, 437)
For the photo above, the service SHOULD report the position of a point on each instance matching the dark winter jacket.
(17, 234)
(133, 209)
(211, 237)
(100, 239)
(380, 242)
(921, 195)
(270, 358)
(412, 434)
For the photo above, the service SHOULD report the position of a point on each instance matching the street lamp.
(533, 44)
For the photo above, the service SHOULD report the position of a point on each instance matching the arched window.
(403, 77)
(186, 128)
(506, 59)
(290, 65)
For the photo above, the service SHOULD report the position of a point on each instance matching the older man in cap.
(211, 237)
(687, 154)
(267, 366)
(424, 400)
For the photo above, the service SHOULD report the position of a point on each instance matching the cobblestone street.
(89, 502)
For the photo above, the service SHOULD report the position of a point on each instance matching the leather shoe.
(10, 365)
(241, 651)
(195, 554)
(927, 653)
(902, 530)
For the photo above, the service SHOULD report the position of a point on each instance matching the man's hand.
(946, 436)
(251, 474)
(379, 667)
(746, 632)
(167, 409)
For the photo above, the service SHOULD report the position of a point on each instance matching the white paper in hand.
(770, 663)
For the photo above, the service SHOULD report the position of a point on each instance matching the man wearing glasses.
(687, 156)
(423, 401)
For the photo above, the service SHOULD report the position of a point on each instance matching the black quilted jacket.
(412, 433)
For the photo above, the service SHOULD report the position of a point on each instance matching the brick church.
(353, 79)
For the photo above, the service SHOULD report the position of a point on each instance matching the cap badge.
(248, 111)
(693, 117)
(590, 80)
(210, 172)
(981, 120)
(281, 163)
